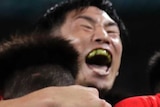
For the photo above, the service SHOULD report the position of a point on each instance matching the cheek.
(80, 39)
(78, 45)
(118, 45)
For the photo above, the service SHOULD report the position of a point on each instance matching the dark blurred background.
(141, 17)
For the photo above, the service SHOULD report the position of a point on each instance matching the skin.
(89, 30)
(59, 97)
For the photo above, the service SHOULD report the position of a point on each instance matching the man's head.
(34, 62)
(154, 72)
(95, 30)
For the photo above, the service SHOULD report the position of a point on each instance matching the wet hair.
(55, 16)
(154, 72)
(30, 63)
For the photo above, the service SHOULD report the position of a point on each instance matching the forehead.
(92, 11)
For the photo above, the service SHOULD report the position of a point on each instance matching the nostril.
(101, 41)
(98, 40)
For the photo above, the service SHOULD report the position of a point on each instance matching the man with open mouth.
(95, 31)
(96, 36)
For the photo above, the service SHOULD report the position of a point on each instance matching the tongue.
(101, 70)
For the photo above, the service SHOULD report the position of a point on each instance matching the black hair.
(154, 72)
(22, 82)
(41, 57)
(55, 16)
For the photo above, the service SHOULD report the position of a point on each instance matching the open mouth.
(99, 57)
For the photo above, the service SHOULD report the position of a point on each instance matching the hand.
(65, 96)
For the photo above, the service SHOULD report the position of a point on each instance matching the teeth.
(109, 57)
(93, 53)
(100, 52)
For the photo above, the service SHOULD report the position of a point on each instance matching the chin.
(101, 86)
(104, 87)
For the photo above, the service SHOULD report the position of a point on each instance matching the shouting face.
(96, 37)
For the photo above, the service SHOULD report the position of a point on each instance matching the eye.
(113, 31)
(87, 27)
(110, 32)
(113, 34)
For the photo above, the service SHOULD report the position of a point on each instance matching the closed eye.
(86, 26)
(113, 33)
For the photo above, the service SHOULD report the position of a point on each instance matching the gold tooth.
(100, 52)
(105, 53)
(92, 54)
(109, 58)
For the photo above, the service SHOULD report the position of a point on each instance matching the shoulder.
(140, 101)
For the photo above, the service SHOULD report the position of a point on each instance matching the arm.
(67, 96)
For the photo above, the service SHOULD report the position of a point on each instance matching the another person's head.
(154, 72)
(95, 30)
(31, 63)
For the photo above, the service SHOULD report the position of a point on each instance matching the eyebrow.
(111, 24)
(94, 21)
(87, 18)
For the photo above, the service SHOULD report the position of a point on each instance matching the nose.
(101, 36)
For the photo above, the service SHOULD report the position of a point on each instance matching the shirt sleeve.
(140, 101)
